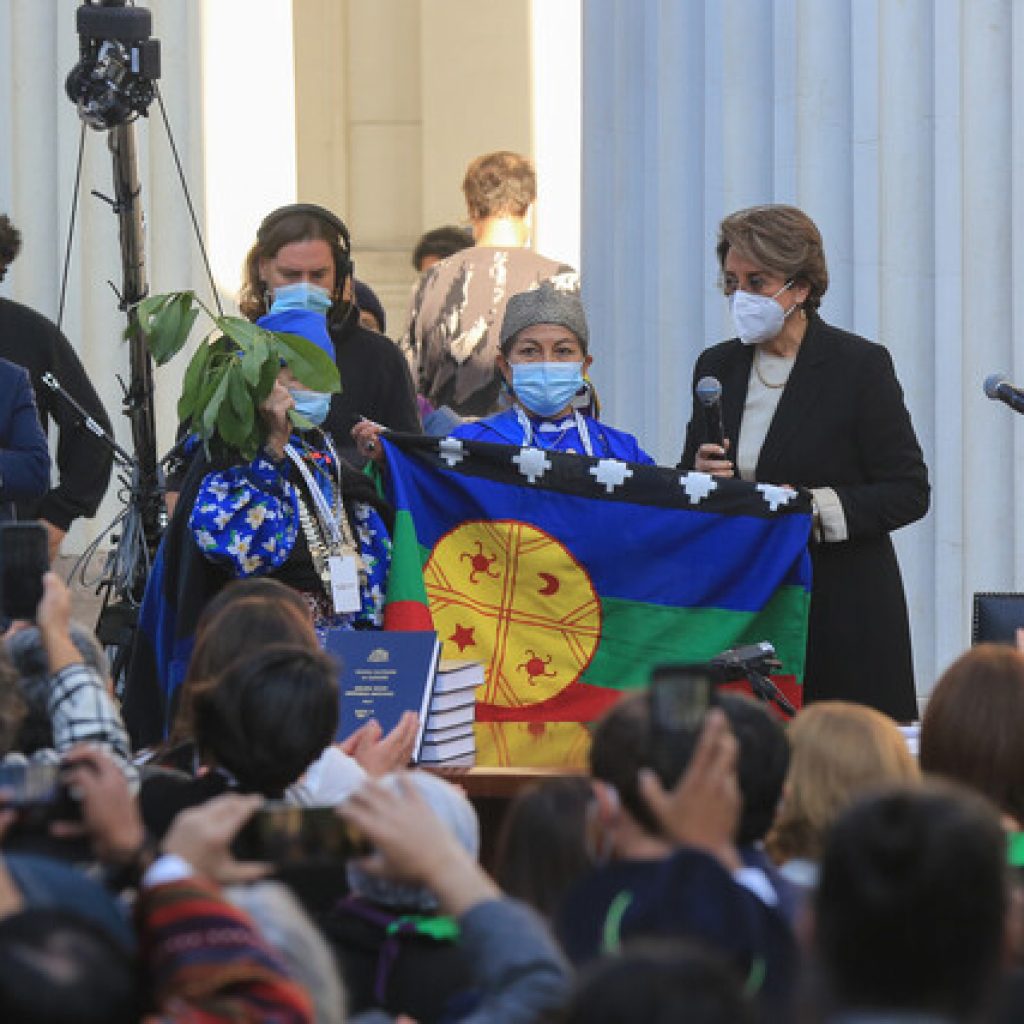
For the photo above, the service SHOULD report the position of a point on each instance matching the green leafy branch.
(232, 371)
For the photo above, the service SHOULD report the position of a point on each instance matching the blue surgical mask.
(314, 405)
(546, 388)
(301, 295)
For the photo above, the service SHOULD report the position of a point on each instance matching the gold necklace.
(761, 376)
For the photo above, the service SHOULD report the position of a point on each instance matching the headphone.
(321, 213)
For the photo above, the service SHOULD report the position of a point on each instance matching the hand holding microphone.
(711, 455)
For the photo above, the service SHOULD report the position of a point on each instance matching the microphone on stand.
(999, 389)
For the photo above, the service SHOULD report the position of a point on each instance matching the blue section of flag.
(680, 556)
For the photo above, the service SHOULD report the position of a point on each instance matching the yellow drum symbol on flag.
(512, 596)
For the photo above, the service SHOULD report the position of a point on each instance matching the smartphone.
(29, 785)
(24, 560)
(286, 835)
(679, 698)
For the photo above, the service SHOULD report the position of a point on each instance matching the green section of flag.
(405, 578)
(636, 636)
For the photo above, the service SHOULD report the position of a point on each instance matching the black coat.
(83, 461)
(375, 383)
(841, 422)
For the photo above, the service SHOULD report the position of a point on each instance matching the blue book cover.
(381, 675)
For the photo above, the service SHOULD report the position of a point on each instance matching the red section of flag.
(407, 615)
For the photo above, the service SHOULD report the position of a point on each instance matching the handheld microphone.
(999, 389)
(709, 394)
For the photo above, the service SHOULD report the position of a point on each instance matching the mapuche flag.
(571, 577)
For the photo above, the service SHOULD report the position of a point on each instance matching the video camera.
(118, 63)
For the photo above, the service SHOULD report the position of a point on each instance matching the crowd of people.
(815, 870)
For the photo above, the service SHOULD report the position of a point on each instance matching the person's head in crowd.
(302, 252)
(543, 355)
(763, 763)
(32, 664)
(782, 240)
(10, 244)
(371, 310)
(452, 807)
(500, 186)
(58, 967)
(659, 982)
(552, 817)
(243, 617)
(910, 911)
(620, 746)
(268, 716)
(839, 751)
(287, 929)
(973, 726)
(438, 244)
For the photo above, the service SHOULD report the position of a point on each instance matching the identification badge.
(344, 583)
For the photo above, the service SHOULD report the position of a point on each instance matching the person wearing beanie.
(542, 361)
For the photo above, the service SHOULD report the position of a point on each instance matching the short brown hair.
(972, 727)
(500, 184)
(839, 751)
(779, 238)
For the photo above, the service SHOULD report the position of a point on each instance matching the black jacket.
(842, 423)
(83, 461)
(375, 383)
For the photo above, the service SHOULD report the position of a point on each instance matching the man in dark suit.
(812, 406)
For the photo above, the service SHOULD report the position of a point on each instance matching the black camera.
(118, 64)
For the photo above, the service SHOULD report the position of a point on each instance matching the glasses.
(755, 284)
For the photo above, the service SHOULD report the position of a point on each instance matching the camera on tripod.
(118, 64)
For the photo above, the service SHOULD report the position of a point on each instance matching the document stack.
(448, 740)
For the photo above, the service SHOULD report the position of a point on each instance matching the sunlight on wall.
(249, 124)
(555, 32)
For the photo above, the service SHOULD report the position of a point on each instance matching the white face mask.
(758, 317)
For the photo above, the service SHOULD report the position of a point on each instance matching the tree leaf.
(268, 375)
(232, 424)
(253, 359)
(242, 399)
(211, 408)
(148, 308)
(192, 383)
(310, 363)
(245, 334)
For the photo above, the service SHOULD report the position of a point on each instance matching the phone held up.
(24, 560)
(679, 698)
(287, 836)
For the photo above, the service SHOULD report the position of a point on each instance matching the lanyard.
(330, 521)
(581, 427)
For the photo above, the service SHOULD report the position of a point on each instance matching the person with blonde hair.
(839, 751)
(452, 337)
